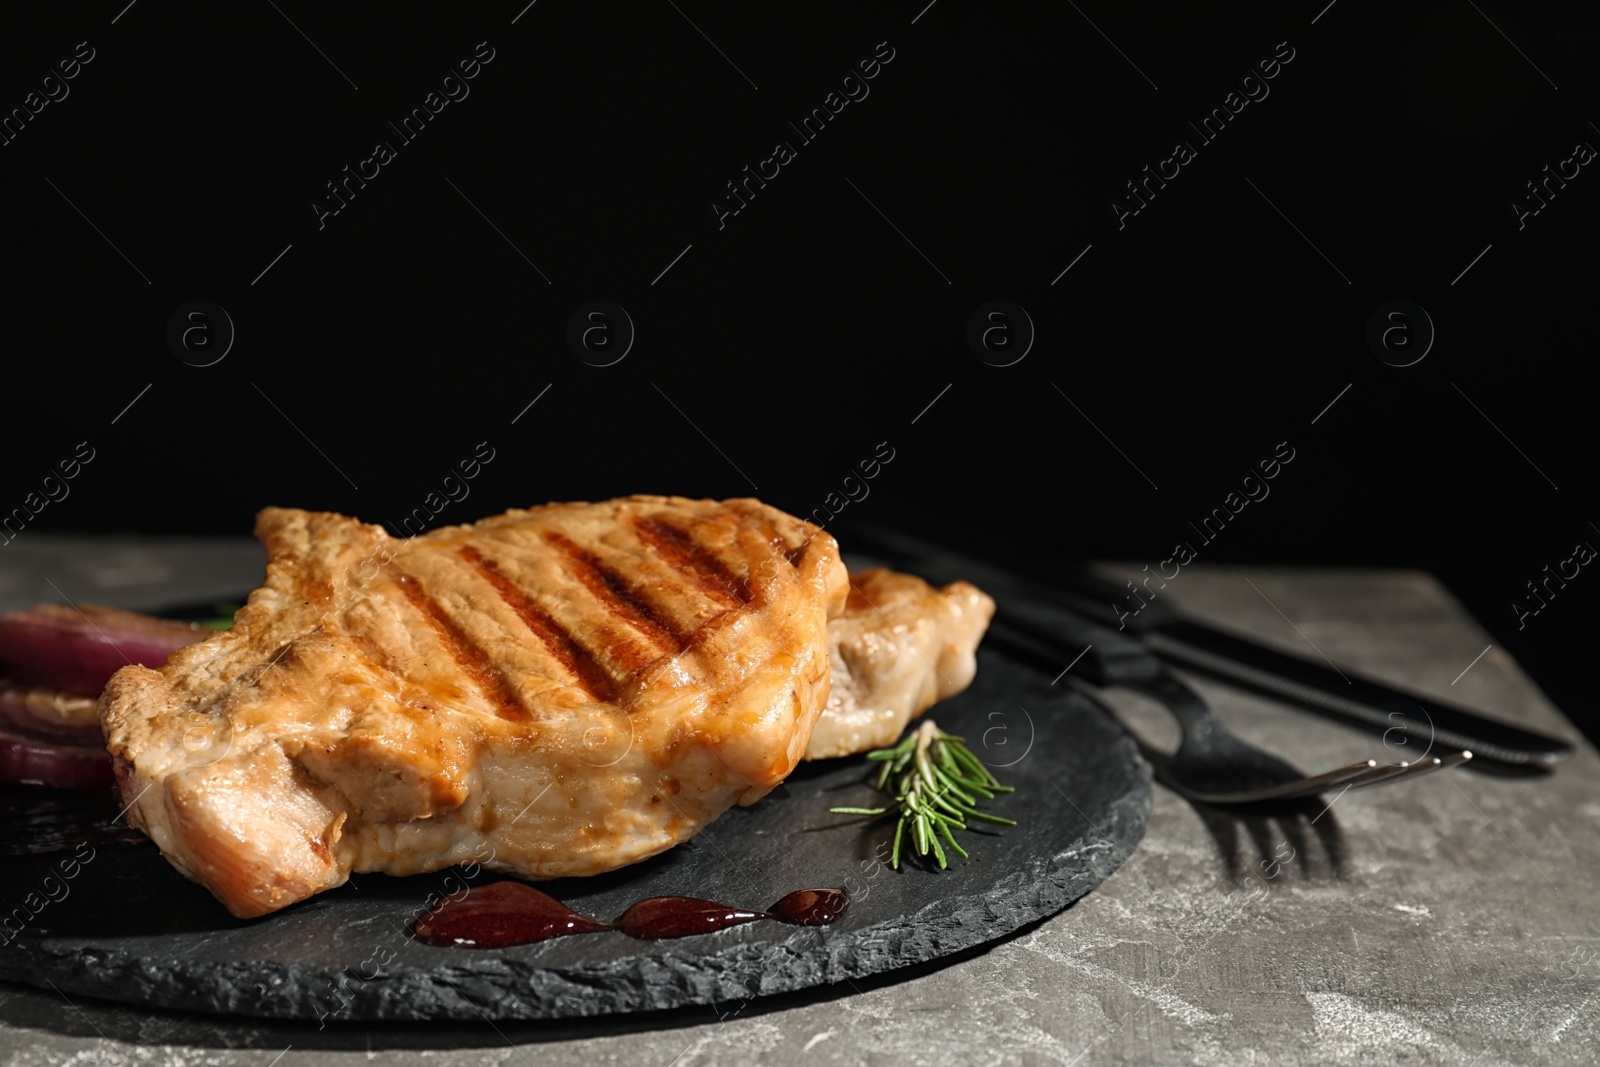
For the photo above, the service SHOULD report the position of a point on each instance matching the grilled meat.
(566, 689)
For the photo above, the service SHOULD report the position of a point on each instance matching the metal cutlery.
(1335, 693)
(1214, 766)
(1342, 695)
(1211, 765)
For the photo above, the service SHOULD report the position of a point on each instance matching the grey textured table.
(1448, 920)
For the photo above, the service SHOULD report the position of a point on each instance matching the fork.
(1212, 765)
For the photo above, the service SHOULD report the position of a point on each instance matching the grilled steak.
(565, 689)
(900, 646)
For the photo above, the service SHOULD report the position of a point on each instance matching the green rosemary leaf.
(954, 789)
(965, 757)
(949, 837)
(936, 783)
(986, 817)
(975, 788)
(925, 768)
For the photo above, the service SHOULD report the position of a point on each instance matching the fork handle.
(1195, 717)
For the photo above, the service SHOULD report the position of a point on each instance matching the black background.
(822, 319)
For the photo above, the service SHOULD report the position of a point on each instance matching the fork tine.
(1289, 790)
(1316, 783)
(1359, 776)
(1394, 771)
(1416, 769)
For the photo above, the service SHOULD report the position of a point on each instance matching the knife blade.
(1339, 694)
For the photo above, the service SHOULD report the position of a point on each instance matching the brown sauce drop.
(658, 917)
(811, 907)
(510, 913)
(499, 915)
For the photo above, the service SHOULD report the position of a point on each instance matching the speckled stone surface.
(1445, 921)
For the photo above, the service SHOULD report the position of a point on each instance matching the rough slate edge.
(939, 930)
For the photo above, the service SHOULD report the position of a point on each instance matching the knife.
(1337, 694)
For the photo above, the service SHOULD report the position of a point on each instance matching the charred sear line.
(376, 655)
(579, 662)
(685, 553)
(713, 627)
(615, 591)
(467, 655)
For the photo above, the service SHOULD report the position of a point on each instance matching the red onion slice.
(36, 762)
(49, 714)
(79, 650)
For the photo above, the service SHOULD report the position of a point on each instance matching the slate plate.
(128, 927)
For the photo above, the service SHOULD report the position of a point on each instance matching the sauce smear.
(510, 913)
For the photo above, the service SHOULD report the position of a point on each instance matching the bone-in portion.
(899, 647)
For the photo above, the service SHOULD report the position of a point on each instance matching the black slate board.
(128, 927)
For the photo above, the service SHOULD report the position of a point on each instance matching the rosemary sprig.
(936, 783)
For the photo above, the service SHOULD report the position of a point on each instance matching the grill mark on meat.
(614, 645)
(472, 660)
(713, 626)
(680, 549)
(624, 600)
(760, 524)
(376, 656)
(578, 661)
